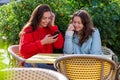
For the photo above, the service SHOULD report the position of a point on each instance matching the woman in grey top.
(81, 37)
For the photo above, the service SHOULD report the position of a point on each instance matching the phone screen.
(57, 32)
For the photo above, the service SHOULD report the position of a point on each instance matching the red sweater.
(30, 41)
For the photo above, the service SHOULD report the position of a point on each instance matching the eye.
(43, 18)
(79, 23)
(74, 22)
(49, 17)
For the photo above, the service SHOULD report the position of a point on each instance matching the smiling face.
(78, 25)
(45, 20)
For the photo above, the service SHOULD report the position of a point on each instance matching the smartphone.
(57, 32)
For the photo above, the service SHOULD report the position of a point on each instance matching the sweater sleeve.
(60, 41)
(68, 45)
(96, 43)
(29, 47)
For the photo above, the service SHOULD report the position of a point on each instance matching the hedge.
(105, 15)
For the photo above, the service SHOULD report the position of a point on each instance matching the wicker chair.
(86, 67)
(31, 74)
(14, 51)
(108, 51)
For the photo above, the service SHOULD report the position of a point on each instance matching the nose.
(76, 24)
(47, 20)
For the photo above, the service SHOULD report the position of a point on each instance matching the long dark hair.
(88, 28)
(36, 16)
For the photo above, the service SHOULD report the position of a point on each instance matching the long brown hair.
(88, 27)
(36, 16)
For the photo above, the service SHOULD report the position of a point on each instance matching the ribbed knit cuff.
(69, 33)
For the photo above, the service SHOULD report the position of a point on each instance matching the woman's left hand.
(52, 18)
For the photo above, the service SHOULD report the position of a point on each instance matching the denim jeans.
(38, 65)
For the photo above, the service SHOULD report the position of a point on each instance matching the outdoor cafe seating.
(99, 68)
(14, 51)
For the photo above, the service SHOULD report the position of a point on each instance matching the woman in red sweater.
(37, 36)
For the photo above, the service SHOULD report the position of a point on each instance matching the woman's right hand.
(70, 27)
(48, 39)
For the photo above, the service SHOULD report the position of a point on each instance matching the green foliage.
(105, 15)
(2, 66)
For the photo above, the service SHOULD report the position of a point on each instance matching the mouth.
(46, 24)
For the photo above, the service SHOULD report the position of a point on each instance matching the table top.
(43, 58)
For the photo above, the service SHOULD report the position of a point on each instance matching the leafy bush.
(2, 66)
(105, 15)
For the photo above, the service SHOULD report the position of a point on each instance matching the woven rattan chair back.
(108, 51)
(14, 51)
(86, 67)
(32, 74)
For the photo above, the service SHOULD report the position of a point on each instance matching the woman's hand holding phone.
(56, 34)
(70, 27)
(48, 39)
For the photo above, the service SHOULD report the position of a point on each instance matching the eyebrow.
(45, 16)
